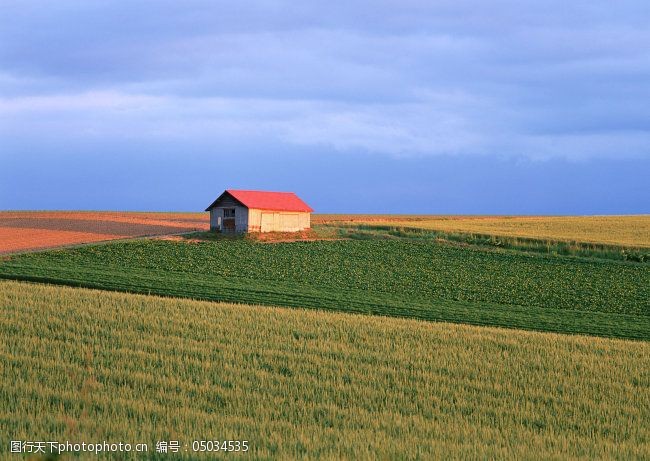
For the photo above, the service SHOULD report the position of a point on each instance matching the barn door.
(229, 219)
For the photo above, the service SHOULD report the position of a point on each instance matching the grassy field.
(400, 278)
(85, 365)
(487, 241)
(615, 230)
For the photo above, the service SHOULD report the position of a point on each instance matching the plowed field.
(23, 231)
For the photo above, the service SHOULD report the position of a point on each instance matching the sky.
(442, 107)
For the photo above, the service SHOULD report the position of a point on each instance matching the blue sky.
(506, 107)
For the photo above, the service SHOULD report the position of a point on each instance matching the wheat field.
(633, 230)
(88, 365)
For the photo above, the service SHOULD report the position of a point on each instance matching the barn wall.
(216, 217)
(254, 220)
(241, 218)
(216, 214)
(279, 221)
(227, 202)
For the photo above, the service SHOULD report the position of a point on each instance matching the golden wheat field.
(631, 230)
(89, 366)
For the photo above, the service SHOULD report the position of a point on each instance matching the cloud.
(430, 126)
(407, 78)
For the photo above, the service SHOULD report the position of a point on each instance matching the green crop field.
(401, 278)
(82, 365)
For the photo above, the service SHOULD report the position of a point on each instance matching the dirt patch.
(317, 239)
(24, 231)
(179, 238)
(283, 237)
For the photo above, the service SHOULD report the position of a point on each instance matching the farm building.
(259, 211)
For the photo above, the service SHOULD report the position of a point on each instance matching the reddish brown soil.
(275, 237)
(23, 231)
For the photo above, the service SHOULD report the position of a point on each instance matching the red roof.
(277, 201)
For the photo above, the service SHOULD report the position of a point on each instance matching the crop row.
(409, 269)
(88, 366)
(430, 282)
